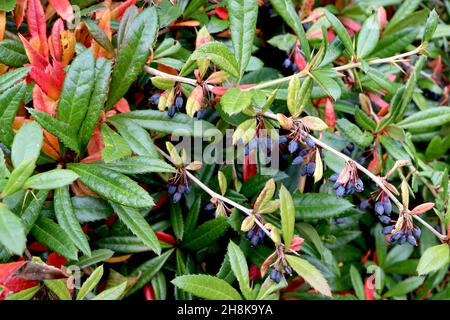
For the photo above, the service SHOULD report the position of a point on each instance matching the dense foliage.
(234, 149)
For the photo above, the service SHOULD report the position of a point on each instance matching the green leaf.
(31, 213)
(148, 270)
(90, 283)
(220, 55)
(65, 133)
(394, 148)
(433, 259)
(133, 53)
(10, 78)
(319, 206)
(12, 233)
(239, 266)
(67, 220)
(404, 287)
(341, 32)
(77, 88)
(432, 117)
(99, 35)
(27, 143)
(137, 138)
(287, 213)
(176, 219)
(127, 19)
(18, 177)
(206, 234)
(59, 288)
(364, 121)
(293, 96)
(116, 147)
(26, 294)
(12, 53)
(90, 209)
(310, 274)
(7, 5)
(96, 256)
(328, 84)
(138, 225)
(368, 36)
(394, 43)
(357, 282)
(407, 7)
(51, 235)
(181, 124)
(207, 287)
(286, 10)
(114, 293)
(234, 100)
(352, 132)
(283, 42)
(96, 102)
(242, 16)
(112, 185)
(52, 179)
(139, 165)
(10, 100)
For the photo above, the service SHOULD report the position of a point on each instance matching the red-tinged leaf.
(19, 12)
(55, 40)
(219, 91)
(63, 8)
(37, 247)
(96, 143)
(375, 165)
(36, 59)
(296, 243)
(105, 25)
(351, 24)
(149, 293)
(246, 86)
(122, 106)
(221, 12)
(254, 272)
(391, 187)
(51, 145)
(299, 60)
(422, 208)
(164, 237)
(382, 17)
(369, 288)
(118, 12)
(92, 158)
(266, 264)
(7, 269)
(49, 85)
(293, 285)
(2, 24)
(56, 260)
(42, 102)
(16, 284)
(329, 113)
(37, 24)
(249, 168)
(375, 98)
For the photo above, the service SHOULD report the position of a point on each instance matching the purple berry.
(364, 204)
(210, 207)
(359, 185)
(384, 219)
(379, 208)
(154, 99)
(402, 240)
(297, 161)
(396, 236)
(310, 143)
(388, 229)
(287, 63)
(310, 168)
(254, 241)
(176, 197)
(293, 146)
(416, 232)
(340, 192)
(250, 234)
(172, 188)
(334, 177)
(179, 102)
(171, 111)
(387, 206)
(411, 240)
(282, 139)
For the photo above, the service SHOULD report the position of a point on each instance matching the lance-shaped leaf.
(431, 117)
(293, 97)
(207, 287)
(51, 235)
(139, 165)
(12, 53)
(112, 185)
(67, 220)
(286, 10)
(352, 132)
(234, 100)
(287, 213)
(206, 234)
(239, 266)
(27, 143)
(138, 225)
(134, 51)
(18, 177)
(433, 259)
(10, 100)
(220, 55)
(328, 84)
(32, 211)
(52, 179)
(341, 32)
(310, 273)
(430, 26)
(114, 293)
(242, 16)
(12, 231)
(99, 35)
(77, 88)
(368, 36)
(319, 206)
(90, 283)
(115, 146)
(96, 101)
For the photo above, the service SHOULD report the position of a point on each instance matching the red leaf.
(96, 143)
(422, 208)
(37, 247)
(254, 272)
(55, 40)
(351, 24)
(56, 260)
(375, 165)
(51, 86)
(37, 24)
(369, 288)
(299, 60)
(15, 284)
(63, 8)
(118, 12)
(19, 11)
(329, 114)
(36, 58)
(148, 292)
(249, 167)
(7, 269)
(164, 237)
(296, 243)
(43, 103)
(122, 106)
(381, 15)
(221, 12)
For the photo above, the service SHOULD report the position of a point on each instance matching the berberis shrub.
(224, 149)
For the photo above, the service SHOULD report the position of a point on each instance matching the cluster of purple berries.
(350, 187)
(410, 235)
(177, 105)
(383, 209)
(177, 190)
(256, 236)
(289, 64)
(262, 142)
(299, 152)
(276, 275)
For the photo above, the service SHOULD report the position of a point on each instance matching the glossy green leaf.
(10, 78)
(139, 165)
(431, 117)
(59, 288)
(433, 259)
(114, 293)
(357, 282)
(31, 212)
(319, 206)
(234, 100)
(27, 143)
(394, 43)
(8, 5)
(96, 256)
(220, 55)
(90, 209)
(328, 84)
(26, 294)
(90, 283)
(12, 53)
(341, 32)
(138, 225)
(207, 287)
(242, 15)
(176, 220)
(77, 88)
(51, 235)
(12, 232)
(125, 23)
(239, 266)
(52, 179)
(404, 287)
(206, 234)
(112, 185)
(310, 274)
(364, 121)
(133, 53)
(352, 132)
(116, 147)
(99, 35)
(18, 177)
(368, 36)
(287, 213)
(394, 148)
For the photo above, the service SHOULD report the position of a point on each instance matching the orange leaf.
(51, 145)
(68, 46)
(96, 143)
(37, 24)
(118, 12)
(19, 11)
(189, 23)
(421, 208)
(36, 59)
(2, 24)
(55, 40)
(105, 25)
(63, 8)
(221, 12)
(329, 114)
(122, 106)
(42, 102)
(375, 165)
